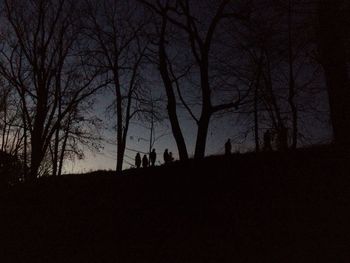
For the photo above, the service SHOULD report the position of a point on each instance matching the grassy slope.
(253, 208)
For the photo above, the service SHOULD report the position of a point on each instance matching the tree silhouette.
(41, 59)
(119, 49)
(333, 41)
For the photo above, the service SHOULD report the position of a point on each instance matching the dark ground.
(274, 207)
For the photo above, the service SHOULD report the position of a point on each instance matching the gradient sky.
(220, 130)
(138, 140)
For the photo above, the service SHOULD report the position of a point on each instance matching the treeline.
(270, 62)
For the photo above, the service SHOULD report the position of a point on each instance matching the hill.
(268, 207)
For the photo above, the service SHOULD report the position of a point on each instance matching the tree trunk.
(171, 107)
(36, 146)
(256, 104)
(37, 143)
(36, 158)
(291, 96)
(256, 118)
(25, 157)
(203, 123)
(57, 133)
(55, 150)
(151, 138)
(177, 133)
(4, 127)
(120, 150)
(332, 48)
(121, 153)
(64, 145)
(202, 132)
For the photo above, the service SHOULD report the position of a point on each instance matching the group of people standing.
(168, 158)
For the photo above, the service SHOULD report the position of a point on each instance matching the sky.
(219, 131)
(314, 127)
(138, 140)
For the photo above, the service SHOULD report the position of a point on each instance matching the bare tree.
(10, 121)
(278, 50)
(42, 59)
(80, 129)
(201, 36)
(333, 42)
(164, 64)
(115, 32)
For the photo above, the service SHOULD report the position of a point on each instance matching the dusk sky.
(223, 63)
(138, 140)
(220, 130)
(246, 104)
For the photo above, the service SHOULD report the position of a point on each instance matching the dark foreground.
(244, 208)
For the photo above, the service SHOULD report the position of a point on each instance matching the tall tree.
(164, 64)
(201, 47)
(201, 34)
(115, 31)
(333, 41)
(43, 60)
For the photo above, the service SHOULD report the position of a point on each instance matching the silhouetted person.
(166, 156)
(267, 141)
(145, 161)
(153, 157)
(138, 160)
(171, 157)
(228, 147)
